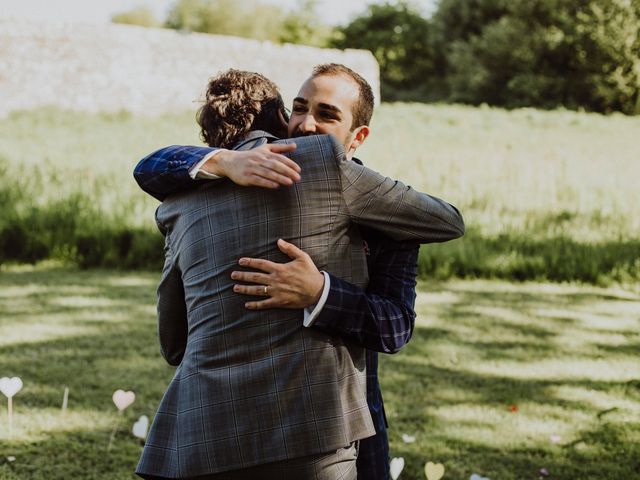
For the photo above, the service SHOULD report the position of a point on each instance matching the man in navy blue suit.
(334, 100)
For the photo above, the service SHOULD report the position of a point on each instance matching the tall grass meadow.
(545, 195)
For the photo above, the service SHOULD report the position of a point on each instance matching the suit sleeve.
(382, 317)
(395, 209)
(166, 171)
(172, 310)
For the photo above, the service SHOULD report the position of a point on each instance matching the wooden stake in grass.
(9, 387)
(65, 399)
(114, 431)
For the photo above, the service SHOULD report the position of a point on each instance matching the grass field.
(529, 183)
(499, 166)
(493, 372)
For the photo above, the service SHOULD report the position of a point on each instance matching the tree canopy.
(546, 53)
(142, 16)
(398, 38)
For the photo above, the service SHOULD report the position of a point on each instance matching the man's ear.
(359, 135)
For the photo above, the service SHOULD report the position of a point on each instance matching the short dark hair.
(237, 102)
(363, 109)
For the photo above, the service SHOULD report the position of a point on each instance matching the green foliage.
(399, 39)
(227, 17)
(520, 256)
(71, 229)
(141, 16)
(541, 53)
(613, 29)
(251, 19)
(302, 26)
(546, 53)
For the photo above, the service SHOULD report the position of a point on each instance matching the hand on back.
(264, 166)
(296, 284)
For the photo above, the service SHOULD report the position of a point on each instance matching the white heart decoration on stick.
(123, 399)
(140, 427)
(10, 386)
(396, 466)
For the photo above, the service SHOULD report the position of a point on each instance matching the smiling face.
(325, 105)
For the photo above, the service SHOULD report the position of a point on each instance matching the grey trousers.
(339, 465)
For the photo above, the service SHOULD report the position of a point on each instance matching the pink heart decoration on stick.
(123, 399)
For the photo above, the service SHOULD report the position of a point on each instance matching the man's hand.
(297, 284)
(264, 166)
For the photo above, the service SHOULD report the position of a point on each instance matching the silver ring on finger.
(266, 291)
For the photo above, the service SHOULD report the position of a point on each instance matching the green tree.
(141, 16)
(612, 30)
(242, 18)
(398, 37)
(302, 26)
(546, 53)
(251, 19)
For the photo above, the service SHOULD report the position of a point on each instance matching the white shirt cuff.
(312, 312)
(196, 171)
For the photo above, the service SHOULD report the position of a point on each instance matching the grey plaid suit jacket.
(254, 387)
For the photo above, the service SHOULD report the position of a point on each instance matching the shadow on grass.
(81, 454)
(93, 367)
(596, 455)
(120, 352)
(432, 378)
(462, 414)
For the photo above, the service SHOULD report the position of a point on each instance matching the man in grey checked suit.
(254, 388)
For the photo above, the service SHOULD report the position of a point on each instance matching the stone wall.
(117, 67)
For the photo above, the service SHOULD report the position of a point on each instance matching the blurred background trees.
(227, 17)
(141, 16)
(543, 53)
(399, 38)
(251, 19)
(577, 54)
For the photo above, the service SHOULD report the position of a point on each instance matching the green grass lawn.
(506, 170)
(564, 357)
(546, 195)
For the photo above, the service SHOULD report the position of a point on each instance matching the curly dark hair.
(237, 102)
